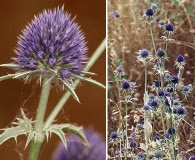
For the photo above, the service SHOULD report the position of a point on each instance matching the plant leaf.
(70, 90)
(12, 132)
(89, 80)
(30, 137)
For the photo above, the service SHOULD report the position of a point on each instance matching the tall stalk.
(38, 127)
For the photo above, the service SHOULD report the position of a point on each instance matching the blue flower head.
(180, 59)
(167, 77)
(161, 93)
(126, 85)
(149, 12)
(175, 79)
(114, 135)
(156, 137)
(140, 155)
(160, 53)
(171, 131)
(133, 144)
(161, 23)
(157, 83)
(169, 27)
(192, 158)
(181, 111)
(146, 107)
(77, 151)
(167, 135)
(52, 46)
(116, 14)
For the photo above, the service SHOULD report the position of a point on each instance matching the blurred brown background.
(14, 16)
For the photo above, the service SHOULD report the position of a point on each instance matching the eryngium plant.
(53, 49)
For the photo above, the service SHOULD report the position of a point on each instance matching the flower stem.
(65, 97)
(38, 127)
(152, 36)
(145, 94)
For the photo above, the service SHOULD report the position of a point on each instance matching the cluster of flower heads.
(52, 45)
(77, 151)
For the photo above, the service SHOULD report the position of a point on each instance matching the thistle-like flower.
(52, 46)
(77, 151)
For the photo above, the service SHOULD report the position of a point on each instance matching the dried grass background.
(127, 35)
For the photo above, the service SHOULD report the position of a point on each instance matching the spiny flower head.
(169, 28)
(171, 131)
(192, 158)
(154, 6)
(146, 107)
(143, 55)
(149, 12)
(133, 144)
(158, 154)
(116, 14)
(160, 53)
(52, 46)
(140, 155)
(181, 111)
(180, 59)
(175, 79)
(113, 135)
(126, 85)
(187, 89)
(161, 93)
(156, 137)
(77, 151)
(161, 23)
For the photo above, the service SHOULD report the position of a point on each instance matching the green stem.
(126, 108)
(38, 127)
(145, 93)
(65, 97)
(152, 36)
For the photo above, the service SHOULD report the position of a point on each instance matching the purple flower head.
(161, 93)
(116, 14)
(52, 45)
(157, 83)
(169, 27)
(113, 135)
(141, 155)
(149, 12)
(77, 151)
(167, 135)
(192, 158)
(160, 53)
(175, 79)
(154, 104)
(146, 107)
(180, 59)
(126, 84)
(133, 144)
(181, 110)
(144, 53)
(171, 131)
(156, 137)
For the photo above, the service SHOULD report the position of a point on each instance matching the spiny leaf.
(24, 73)
(89, 80)
(88, 73)
(12, 132)
(70, 90)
